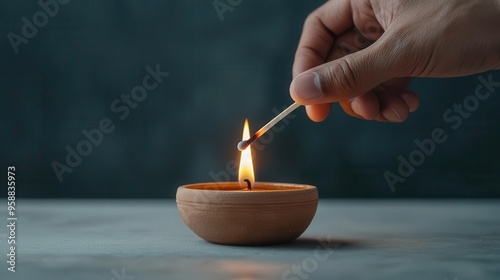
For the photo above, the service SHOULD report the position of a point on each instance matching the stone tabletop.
(348, 239)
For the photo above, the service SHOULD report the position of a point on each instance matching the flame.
(246, 166)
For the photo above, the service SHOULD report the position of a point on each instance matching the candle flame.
(246, 176)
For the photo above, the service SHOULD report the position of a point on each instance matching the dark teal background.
(65, 78)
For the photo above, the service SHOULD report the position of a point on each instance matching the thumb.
(344, 78)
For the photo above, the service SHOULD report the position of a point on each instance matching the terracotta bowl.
(271, 213)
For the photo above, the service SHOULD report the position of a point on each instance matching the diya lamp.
(248, 212)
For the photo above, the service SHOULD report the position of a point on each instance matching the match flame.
(246, 166)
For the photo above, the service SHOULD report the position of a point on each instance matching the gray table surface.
(146, 239)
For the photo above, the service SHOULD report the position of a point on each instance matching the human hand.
(362, 53)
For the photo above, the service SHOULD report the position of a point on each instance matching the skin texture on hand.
(362, 53)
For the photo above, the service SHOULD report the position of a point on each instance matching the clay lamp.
(246, 212)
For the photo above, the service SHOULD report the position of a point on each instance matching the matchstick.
(245, 143)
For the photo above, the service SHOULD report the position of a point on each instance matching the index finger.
(318, 34)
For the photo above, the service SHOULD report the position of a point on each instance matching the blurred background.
(224, 67)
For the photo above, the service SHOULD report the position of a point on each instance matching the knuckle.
(340, 80)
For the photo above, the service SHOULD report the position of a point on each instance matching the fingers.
(329, 20)
(344, 78)
(365, 106)
(318, 112)
(383, 104)
(392, 107)
(359, 74)
(395, 100)
(318, 34)
(365, 20)
(374, 104)
(347, 43)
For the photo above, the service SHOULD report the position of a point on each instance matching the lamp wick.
(249, 185)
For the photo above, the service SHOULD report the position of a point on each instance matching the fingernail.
(307, 87)
(391, 115)
(356, 107)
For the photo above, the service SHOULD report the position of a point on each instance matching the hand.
(362, 53)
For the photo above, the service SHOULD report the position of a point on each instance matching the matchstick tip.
(242, 145)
